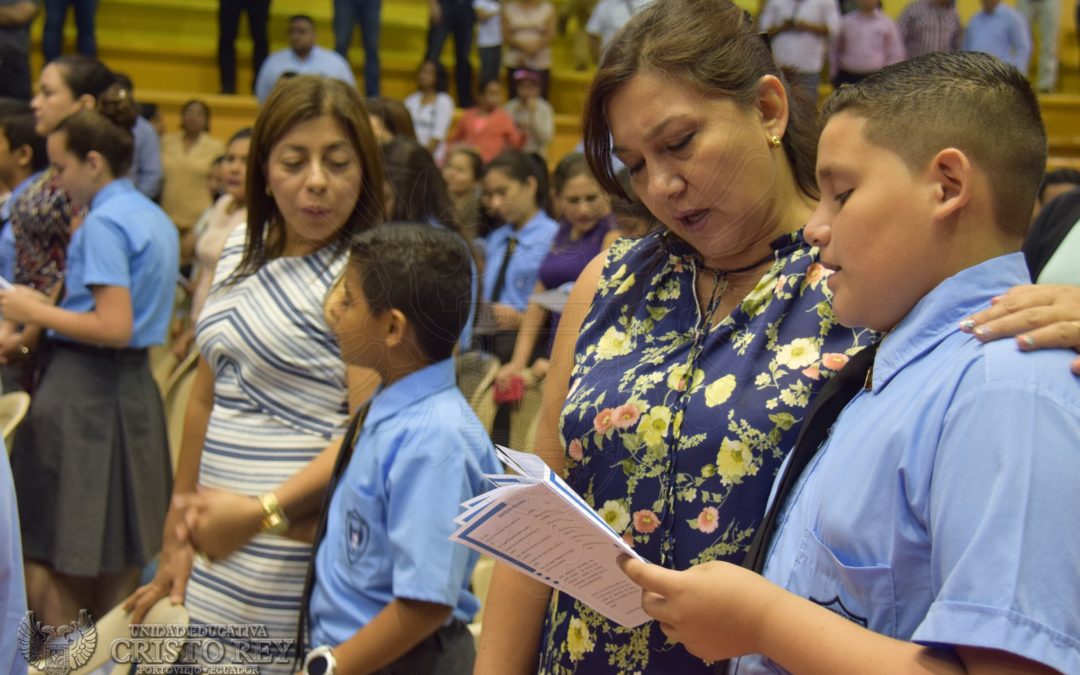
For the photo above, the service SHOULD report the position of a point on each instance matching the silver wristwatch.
(320, 661)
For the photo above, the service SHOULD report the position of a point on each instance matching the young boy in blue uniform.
(934, 530)
(390, 591)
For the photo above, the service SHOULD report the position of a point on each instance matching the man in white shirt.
(606, 20)
(303, 57)
(800, 31)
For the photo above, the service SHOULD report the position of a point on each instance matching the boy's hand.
(220, 522)
(715, 610)
(1041, 317)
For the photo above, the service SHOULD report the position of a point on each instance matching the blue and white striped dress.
(280, 396)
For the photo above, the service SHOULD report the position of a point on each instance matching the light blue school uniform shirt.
(1003, 33)
(942, 508)
(533, 243)
(421, 453)
(12, 586)
(7, 235)
(319, 61)
(127, 241)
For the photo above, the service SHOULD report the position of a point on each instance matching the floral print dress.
(675, 430)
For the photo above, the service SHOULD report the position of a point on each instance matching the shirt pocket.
(865, 595)
(361, 547)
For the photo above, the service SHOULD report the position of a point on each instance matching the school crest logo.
(60, 650)
(837, 606)
(358, 535)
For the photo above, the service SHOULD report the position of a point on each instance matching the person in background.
(528, 28)
(15, 19)
(22, 163)
(487, 127)
(258, 15)
(1054, 184)
(799, 33)
(146, 165)
(586, 227)
(1046, 16)
(348, 13)
(930, 26)
(303, 56)
(389, 118)
(150, 112)
(868, 40)
(96, 420)
(462, 172)
(534, 116)
(431, 109)
(579, 11)
(453, 17)
(213, 230)
(605, 21)
(516, 185)
(52, 34)
(12, 583)
(489, 38)
(271, 392)
(186, 156)
(1001, 31)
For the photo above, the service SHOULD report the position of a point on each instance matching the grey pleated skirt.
(91, 462)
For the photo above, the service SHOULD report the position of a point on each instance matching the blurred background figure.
(528, 27)
(534, 117)
(488, 37)
(348, 13)
(930, 26)
(431, 108)
(302, 57)
(15, 19)
(1044, 16)
(258, 16)
(453, 18)
(52, 35)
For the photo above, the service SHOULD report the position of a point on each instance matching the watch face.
(319, 665)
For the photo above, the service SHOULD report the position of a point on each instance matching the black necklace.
(720, 272)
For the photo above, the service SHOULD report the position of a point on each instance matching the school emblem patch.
(60, 650)
(836, 606)
(357, 540)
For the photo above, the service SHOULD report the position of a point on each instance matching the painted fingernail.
(967, 324)
(1027, 341)
(982, 331)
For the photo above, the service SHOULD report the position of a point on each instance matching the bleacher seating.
(169, 48)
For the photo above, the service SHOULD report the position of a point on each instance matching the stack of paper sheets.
(537, 523)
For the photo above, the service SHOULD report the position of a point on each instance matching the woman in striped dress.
(271, 389)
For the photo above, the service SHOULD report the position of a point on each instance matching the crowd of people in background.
(300, 263)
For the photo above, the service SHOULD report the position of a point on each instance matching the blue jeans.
(52, 37)
(366, 13)
(458, 19)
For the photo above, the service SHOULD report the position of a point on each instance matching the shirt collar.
(114, 188)
(410, 390)
(938, 314)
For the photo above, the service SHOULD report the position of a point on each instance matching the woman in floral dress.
(686, 360)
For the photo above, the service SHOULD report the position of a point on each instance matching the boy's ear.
(397, 326)
(952, 178)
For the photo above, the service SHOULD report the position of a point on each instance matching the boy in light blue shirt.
(390, 589)
(934, 530)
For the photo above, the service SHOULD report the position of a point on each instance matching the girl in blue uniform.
(91, 461)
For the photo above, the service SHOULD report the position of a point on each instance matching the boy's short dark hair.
(19, 130)
(302, 17)
(423, 271)
(970, 101)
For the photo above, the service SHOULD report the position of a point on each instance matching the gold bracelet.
(274, 519)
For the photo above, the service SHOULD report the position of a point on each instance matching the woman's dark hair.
(475, 160)
(394, 115)
(420, 194)
(84, 75)
(105, 130)
(520, 166)
(304, 98)
(441, 79)
(710, 47)
(568, 168)
(422, 271)
(240, 135)
(201, 104)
